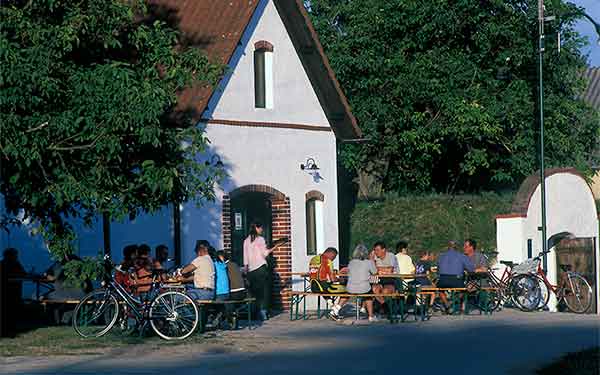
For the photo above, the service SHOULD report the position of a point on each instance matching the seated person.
(386, 263)
(142, 275)
(203, 270)
(360, 271)
(237, 286)
(476, 257)
(62, 288)
(405, 263)
(161, 257)
(451, 267)
(423, 269)
(321, 273)
(221, 276)
(126, 268)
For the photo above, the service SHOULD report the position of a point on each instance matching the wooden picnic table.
(39, 280)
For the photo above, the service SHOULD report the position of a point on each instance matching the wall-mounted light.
(310, 165)
(215, 160)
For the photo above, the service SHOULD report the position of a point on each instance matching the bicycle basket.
(528, 266)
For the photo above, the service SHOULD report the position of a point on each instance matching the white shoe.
(363, 310)
(373, 319)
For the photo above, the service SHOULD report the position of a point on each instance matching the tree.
(89, 122)
(447, 90)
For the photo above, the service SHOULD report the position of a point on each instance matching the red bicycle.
(572, 289)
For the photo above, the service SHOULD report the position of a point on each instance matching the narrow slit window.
(315, 240)
(263, 78)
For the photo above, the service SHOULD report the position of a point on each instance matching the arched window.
(315, 231)
(263, 74)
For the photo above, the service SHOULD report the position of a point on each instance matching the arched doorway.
(272, 208)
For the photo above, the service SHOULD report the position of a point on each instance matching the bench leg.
(357, 308)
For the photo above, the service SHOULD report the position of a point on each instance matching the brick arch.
(256, 189)
(523, 198)
(281, 227)
(263, 45)
(315, 194)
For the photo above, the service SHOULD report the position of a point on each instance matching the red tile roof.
(216, 27)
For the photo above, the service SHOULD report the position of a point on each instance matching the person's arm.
(372, 268)
(412, 267)
(246, 255)
(262, 246)
(395, 265)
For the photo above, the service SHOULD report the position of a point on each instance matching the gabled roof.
(591, 95)
(216, 27)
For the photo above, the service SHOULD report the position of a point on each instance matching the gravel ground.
(508, 342)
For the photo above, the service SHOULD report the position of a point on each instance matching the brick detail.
(314, 194)
(263, 45)
(226, 224)
(283, 255)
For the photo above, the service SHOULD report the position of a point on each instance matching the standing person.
(451, 267)
(405, 263)
(12, 291)
(255, 264)
(203, 270)
(360, 270)
(385, 262)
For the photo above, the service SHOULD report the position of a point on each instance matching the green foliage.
(428, 222)
(88, 114)
(447, 90)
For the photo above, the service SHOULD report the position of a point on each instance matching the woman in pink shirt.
(255, 263)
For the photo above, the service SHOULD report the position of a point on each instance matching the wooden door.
(580, 254)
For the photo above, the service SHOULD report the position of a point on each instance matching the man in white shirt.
(203, 270)
(405, 263)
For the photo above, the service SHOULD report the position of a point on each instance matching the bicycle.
(510, 288)
(572, 289)
(173, 315)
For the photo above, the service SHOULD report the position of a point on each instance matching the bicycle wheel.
(577, 293)
(96, 314)
(525, 292)
(544, 294)
(174, 315)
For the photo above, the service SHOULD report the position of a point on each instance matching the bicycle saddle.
(507, 263)
(565, 267)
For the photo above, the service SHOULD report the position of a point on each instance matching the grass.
(63, 340)
(586, 362)
(428, 222)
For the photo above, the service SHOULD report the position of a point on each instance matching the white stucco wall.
(570, 208)
(294, 99)
(271, 157)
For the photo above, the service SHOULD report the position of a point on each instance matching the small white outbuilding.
(572, 226)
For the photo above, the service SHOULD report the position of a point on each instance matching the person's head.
(130, 252)
(360, 252)
(256, 229)
(331, 253)
(221, 256)
(402, 247)
(452, 245)
(425, 255)
(144, 251)
(201, 248)
(470, 246)
(380, 249)
(161, 253)
(10, 254)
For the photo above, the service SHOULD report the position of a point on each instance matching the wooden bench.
(396, 302)
(240, 306)
(483, 294)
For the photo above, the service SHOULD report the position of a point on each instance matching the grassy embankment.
(428, 222)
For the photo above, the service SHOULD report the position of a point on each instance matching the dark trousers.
(259, 286)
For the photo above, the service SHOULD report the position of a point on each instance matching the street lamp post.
(541, 21)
